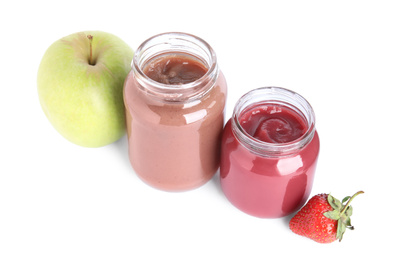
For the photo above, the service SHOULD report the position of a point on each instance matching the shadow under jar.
(175, 99)
(269, 153)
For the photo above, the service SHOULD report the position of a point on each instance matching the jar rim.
(170, 43)
(274, 95)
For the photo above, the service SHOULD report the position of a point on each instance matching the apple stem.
(91, 62)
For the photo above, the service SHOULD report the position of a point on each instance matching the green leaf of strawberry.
(324, 218)
(334, 214)
(335, 203)
(345, 199)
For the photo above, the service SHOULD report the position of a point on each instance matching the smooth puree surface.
(175, 69)
(273, 123)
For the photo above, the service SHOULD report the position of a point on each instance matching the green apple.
(80, 86)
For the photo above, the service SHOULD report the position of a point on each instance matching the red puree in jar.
(268, 157)
(273, 123)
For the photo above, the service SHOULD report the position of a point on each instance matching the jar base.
(178, 187)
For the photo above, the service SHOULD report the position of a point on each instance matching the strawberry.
(324, 218)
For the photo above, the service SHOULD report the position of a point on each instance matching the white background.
(62, 201)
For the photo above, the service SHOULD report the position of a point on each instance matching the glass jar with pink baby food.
(269, 153)
(175, 98)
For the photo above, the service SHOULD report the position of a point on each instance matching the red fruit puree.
(273, 123)
(257, 175)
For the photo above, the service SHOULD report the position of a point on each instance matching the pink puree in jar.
(175, 99)
(269, 153)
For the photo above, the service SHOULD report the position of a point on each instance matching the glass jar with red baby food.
(175, 96)
(269, 153)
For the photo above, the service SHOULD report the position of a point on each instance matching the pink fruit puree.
(263, 185)
(174, 145)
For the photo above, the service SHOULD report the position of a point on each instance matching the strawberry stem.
(350, 200)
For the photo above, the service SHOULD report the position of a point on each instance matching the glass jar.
(269, 153)
(174, 117)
